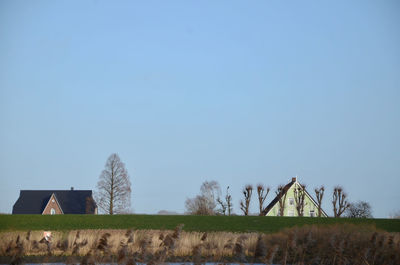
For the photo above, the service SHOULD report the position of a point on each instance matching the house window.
(52, 200)
(312, 213)
(52, 211)
(290, 213)
(291, 201)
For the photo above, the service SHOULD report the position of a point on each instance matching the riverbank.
(310, 244)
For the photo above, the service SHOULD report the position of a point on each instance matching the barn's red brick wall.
(52, 204)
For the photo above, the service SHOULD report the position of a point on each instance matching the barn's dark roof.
(71, 201)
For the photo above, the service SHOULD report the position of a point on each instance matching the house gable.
(310, 207)
(53, 206)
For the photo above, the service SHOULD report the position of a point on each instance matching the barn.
(55, 202)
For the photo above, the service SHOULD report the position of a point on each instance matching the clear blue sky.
(186, 91)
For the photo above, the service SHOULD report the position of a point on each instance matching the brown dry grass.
(338, 244)
(214, 243)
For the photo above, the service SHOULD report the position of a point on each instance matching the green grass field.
(192, 223)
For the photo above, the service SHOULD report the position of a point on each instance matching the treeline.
(211, 201)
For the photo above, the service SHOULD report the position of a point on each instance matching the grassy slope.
(192, 223)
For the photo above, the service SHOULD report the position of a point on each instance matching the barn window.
(52, 211)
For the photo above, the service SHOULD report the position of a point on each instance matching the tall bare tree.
(281, 193)
(299, 196)
(114, 188)
(262, 193)
(319, 193)
(245, 205)
(339, 201)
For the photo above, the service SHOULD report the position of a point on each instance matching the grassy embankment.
(191, 223)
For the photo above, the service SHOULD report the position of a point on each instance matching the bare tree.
(359, 209)
(211, 191)
(339, 201)
(228, 199)
(299, 196)
(205, 203)
(281, 193)
(262, 193)
(114, 188)
(244, 206)
(226, 206)
(221, 203)
(319, 193)
(198, 206)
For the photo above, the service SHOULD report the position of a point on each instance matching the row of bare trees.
(210, 197)
(114, 192)
(262, 193)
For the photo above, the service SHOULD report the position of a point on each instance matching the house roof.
(285, 189)
(276, 199)
(71, 201)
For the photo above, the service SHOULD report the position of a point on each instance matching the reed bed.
(336, 244)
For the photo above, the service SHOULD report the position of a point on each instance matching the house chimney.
(294, 179)
(72, 188)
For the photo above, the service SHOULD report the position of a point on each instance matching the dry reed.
(337, 244)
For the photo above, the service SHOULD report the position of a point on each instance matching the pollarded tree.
(114, 188)
(245, 205)
(281, 193)
(319, 193)
(299, 197)
(262, 193)
(339, 201)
